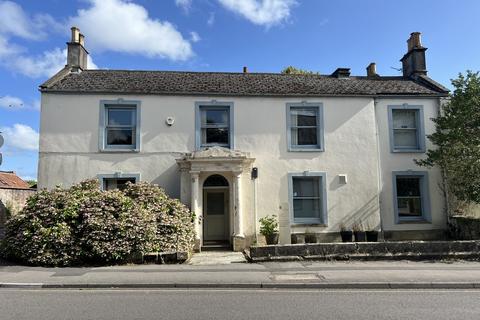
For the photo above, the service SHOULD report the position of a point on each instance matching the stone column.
(239, 236)
(195, 207)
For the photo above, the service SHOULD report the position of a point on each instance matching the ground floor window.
(308, 198)
(411, 196)
(117, 181)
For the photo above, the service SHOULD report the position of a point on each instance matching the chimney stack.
(413, 62)
(372, 70)
(77, 54)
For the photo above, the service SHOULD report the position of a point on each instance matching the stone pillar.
(239, 236)
(195, 207)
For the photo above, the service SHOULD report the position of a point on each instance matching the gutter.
(203, 94)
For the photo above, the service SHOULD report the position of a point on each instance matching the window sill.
(408, 150)
(119, 150)
(302, 225)
(414, 221)
(306, 150)
(204, 146)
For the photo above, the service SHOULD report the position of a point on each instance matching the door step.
(212, 245)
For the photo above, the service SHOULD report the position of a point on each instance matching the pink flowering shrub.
(83, 224)
(174, 221)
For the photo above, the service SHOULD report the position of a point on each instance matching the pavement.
(230, 270)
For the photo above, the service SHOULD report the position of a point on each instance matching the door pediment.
(215, 159)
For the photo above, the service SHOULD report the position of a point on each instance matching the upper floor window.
(120, 126)
(406, 128)
(411, 196)
(305, 127)
(308, 198)
(214, 125)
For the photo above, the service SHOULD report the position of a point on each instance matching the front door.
(215, 214)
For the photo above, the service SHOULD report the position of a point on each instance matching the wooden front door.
(215, 214)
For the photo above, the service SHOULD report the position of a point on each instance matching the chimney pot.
(81, 39)
(372, 70)
(245, 69)
(414, 41)
(75, 35)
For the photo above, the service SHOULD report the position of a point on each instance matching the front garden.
(83, 225)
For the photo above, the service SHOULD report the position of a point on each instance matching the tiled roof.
(9, 180)
(235, 84)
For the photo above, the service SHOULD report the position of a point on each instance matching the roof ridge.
(388, 77)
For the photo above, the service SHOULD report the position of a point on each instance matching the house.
(318, 151)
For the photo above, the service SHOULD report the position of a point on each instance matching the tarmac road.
(239, 304)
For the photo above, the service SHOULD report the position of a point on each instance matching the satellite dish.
(1, 141)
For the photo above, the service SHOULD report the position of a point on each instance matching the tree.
(293, 70)
(457, 140)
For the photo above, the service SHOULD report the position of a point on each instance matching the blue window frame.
(305, 130)
(214, 124)
(411, 200)
(308, 197)
(117, 180)
(119, 125)
(407, 133)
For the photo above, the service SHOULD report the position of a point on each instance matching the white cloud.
(11, 102)
(186, 5)
(14, 21)
(194, 37)
(261, 12)
(211, 19)
(44, 65)
(122, 26)
(15, 103)
(20, 137)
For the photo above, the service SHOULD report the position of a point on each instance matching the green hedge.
(84, 225)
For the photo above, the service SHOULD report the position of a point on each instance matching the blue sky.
(218, 35)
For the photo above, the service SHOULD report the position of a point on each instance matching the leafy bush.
(268, 225)
(174, 222)
(83, 224)
(42, 233)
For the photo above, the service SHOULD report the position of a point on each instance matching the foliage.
(83, 224)
(294, 70)
(457, 140)
(357, 227)
(268, 225)
(174, 222)
(31, 183)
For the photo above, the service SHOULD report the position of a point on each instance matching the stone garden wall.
(11, 202)
(464, 228)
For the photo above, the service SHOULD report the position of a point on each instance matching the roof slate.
(234, 84)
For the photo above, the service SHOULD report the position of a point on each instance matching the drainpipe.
(255, 210)
(254, 176)
(379, 159)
